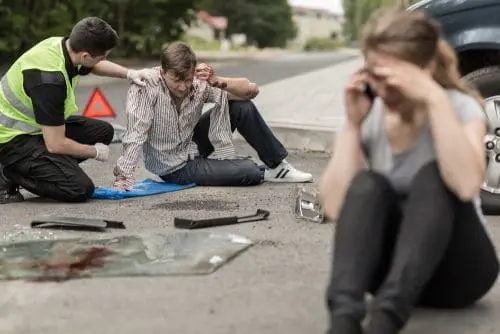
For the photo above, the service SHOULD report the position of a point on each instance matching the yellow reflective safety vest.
(16, 110)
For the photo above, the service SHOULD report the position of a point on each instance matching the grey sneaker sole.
(275, 180)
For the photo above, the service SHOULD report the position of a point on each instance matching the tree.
(149, 24)
(357, 12)
(143, 25)
(350, 29)
(267, 23)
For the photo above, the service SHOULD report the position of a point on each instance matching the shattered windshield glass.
(159, 254)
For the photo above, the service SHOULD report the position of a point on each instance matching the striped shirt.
(164, 134)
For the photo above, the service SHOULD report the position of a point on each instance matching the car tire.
(490, 203)
(487, 82)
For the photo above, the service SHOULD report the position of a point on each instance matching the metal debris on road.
(76, 223)
(308, 207)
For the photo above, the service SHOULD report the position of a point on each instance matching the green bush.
(143, 25)
(322, 44)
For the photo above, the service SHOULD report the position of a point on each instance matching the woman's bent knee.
(428, 186)
(368, 183)
(429, 177)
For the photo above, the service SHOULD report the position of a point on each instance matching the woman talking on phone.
(410, 230)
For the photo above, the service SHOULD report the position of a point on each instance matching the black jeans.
(27, 162)
(236, 172)
(433, 251)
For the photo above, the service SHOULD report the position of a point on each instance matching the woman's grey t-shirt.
(401, 168)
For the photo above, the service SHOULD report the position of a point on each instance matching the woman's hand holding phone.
(358, 98)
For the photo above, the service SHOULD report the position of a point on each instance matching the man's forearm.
(106, 68)
(126, 164)
(240, 87)
(72, 148)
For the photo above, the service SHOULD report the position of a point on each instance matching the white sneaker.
(285, 172)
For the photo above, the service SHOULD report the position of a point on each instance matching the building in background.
(311, 23)
(208, 27)
(316, 23)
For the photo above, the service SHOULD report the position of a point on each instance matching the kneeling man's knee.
(80, 189)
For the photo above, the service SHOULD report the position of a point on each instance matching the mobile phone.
(368, 91)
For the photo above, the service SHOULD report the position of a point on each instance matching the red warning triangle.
(98, 106)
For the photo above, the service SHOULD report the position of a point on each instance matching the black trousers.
(433, 251)
(235, 172)
(27, 162)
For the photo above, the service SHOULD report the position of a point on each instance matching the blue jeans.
(237, 172)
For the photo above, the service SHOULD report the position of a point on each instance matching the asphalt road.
(282, 67)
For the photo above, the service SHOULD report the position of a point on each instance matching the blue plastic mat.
(145, 188)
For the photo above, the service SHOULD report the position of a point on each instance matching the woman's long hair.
(414, 37)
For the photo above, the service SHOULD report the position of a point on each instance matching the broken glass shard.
(159, 254)
(308, 207)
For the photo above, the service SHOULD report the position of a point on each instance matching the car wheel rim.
(492, 145)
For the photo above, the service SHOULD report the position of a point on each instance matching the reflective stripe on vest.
(17, 125)
(14, 101)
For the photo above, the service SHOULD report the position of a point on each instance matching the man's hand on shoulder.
(109, 69)
(143, 76)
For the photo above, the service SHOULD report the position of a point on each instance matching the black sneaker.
(10, 194)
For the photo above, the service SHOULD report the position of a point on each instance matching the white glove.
(102, 152)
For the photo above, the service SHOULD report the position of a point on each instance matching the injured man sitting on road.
(183, 146)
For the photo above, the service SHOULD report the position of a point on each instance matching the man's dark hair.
(179, 59)
(93, 35)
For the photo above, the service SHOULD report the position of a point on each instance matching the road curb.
(303, 138)
(304, 121)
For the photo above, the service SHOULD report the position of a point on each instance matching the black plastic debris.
(77, 223)
(222, 221)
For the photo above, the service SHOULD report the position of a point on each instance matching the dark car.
(472, 27)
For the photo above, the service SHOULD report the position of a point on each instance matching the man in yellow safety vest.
(41, 141)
